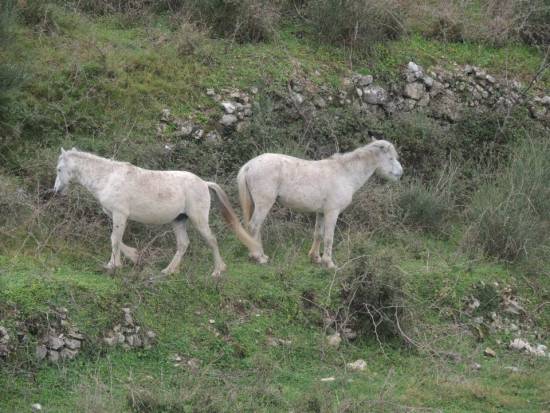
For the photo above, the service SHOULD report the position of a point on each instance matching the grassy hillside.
(413, 257)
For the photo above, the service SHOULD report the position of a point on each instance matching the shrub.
(510, 214)
(355, 23)
(242, 20)
(429, 206)
(374, 300)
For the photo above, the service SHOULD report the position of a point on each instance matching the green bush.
(428, 206)
(357, 24)
(510, 214)
(374, 299)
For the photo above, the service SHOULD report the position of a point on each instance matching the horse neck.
(92, 172)
(360, 165)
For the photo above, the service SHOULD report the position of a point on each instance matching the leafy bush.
(373, 294)
(511, 214)
(356, 23)
(242, 20)
(429, 206)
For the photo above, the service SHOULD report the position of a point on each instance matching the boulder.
(375, 95)
(414, 90)
(228, 107)
(228, 120)
(357, 365)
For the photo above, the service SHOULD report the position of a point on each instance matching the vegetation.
(468, 222)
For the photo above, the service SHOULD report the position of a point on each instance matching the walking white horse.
(325, 187)
(150, 197)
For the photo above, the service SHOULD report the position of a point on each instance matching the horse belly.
(302, 200)
(155, 211)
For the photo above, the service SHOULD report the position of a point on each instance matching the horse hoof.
(110, 269)
(260, 258)
(329, 265)
(315, 259)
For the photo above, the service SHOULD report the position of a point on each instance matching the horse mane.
(93, 157)
(352, 155)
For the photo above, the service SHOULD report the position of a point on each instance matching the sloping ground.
(252, 343)
(257, 340)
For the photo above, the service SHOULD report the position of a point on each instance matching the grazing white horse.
(325, 187)
(150, 197)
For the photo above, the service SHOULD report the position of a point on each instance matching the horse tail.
(244, 197)
(232, 219)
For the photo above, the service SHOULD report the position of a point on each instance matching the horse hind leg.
(262, 206)
(182, 242)
(129, 252)
(314, 254)
(200, 221)
(119, 225)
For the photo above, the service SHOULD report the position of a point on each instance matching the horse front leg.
(119, 225)
(317, 236)
(330, 223)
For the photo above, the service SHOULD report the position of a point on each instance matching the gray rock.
(120, 338)
(413, 67)
(357, 365)
(110, 341)
(213, 137)
(319, 102)
(41, 352)
(128, 319)
(72, 344)
(361, 80)
(445, 106)
(76, 335)
(228, 120)
(424, 101)
(198, 134)
(54, 343)
(68, 354)
(546, 101)
(414, 90)
(185, 130)
(150, 334)
(134, 341)
(228, 107)
(53, 356)
(468, 69)
(359, 92)
(4, 350)
(297, 99)
(428, 81)
(254, 90)
(210, 92)
(375, 95)
(36, 407)
(490, 79)
(165, 115)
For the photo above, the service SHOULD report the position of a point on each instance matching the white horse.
(325, 187)
(150, 197)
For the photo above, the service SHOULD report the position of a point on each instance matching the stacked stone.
(4, 342)
(129, 334)
(55, 346)
(236, 105)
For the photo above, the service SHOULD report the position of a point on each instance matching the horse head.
(64, 173)
(388, 165)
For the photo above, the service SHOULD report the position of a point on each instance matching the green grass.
(239, 369)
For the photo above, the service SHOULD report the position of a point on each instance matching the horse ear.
(372, 139)
(62, 151)
(383, 148)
